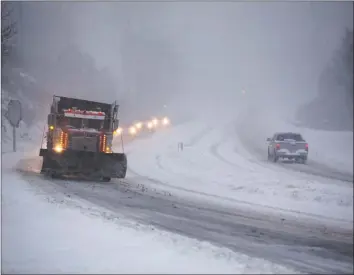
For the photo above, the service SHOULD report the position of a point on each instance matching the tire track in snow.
(192, 142)
(232, 200)
(312, 168)
(266, 236)
(198, 137)
(229, 228)
(214, 150)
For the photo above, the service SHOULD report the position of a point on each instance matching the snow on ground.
(334, 149)
(24, 133)
(24, 136)
(215, 163)
(51, 233)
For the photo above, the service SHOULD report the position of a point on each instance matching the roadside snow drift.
(51, 233)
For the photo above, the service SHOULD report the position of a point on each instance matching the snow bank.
(44, 233)
(334, 149)
(25, 136)
(215, 164)
(23, 87)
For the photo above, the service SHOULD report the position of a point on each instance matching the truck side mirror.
(268, 139)
(51, 119)
(115, 124)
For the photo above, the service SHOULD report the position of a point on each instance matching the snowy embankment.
(24, 88)
(25, 136)
(52, 233)
(215, 165)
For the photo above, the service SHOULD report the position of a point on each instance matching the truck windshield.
(94, 124)
(71, 122)
(79, 123)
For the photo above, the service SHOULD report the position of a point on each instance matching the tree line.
(332, 109)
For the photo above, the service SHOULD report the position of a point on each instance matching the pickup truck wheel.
(275, 158)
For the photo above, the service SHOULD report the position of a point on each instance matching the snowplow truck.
(79, 140)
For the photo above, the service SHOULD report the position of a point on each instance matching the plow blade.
(88, 164)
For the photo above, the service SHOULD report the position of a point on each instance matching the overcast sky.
(273, 50)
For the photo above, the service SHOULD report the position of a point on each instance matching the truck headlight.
(118, 132)
(58, 149)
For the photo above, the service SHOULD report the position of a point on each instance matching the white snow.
(334, 149)
(24, 133)
(29, 77)
(215, 164)
(51, 233)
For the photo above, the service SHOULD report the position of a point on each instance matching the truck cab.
(79, 127)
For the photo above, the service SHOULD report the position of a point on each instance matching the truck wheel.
(106, 179)
(122, 176)
(304, 160)
(124, 167)
(55, 175)
(268, 155)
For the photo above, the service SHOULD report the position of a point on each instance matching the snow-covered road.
(285, 242)
(216, 167)
(216, 164)
(217, 190)
(78, 227)
(330, 153)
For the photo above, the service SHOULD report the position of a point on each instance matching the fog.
(194, 58)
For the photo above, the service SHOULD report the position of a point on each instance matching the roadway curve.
(244, 129)
(308, 247)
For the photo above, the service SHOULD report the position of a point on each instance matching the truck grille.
(81, 143)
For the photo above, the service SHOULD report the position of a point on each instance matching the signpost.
(14, 115)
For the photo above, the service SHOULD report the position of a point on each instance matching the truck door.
(114, 117)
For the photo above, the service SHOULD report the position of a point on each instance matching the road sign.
(14, 115)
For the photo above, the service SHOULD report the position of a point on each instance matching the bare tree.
(8, 31)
